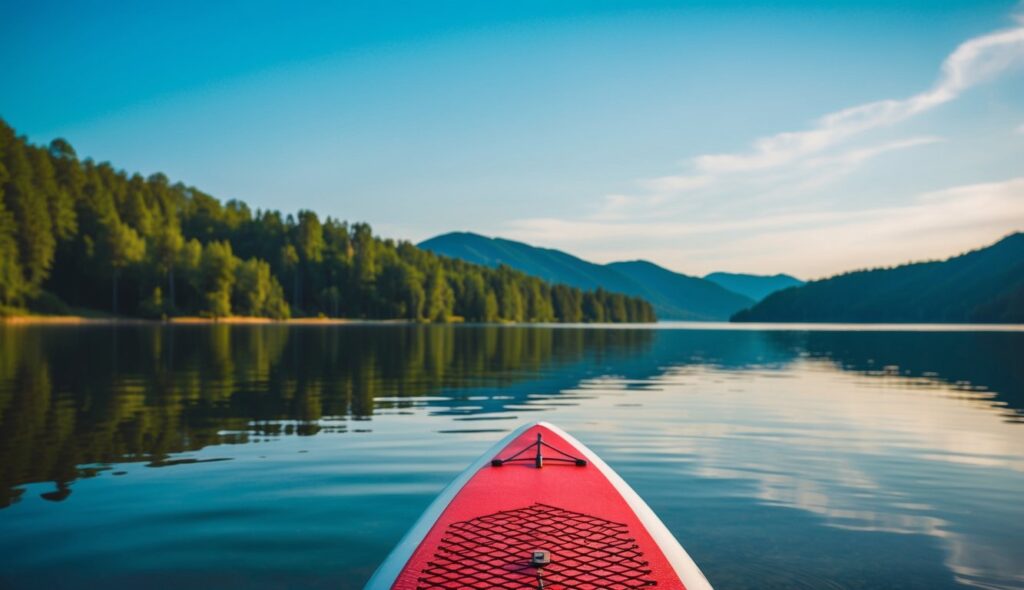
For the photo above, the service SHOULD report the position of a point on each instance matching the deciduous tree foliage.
(99, 238)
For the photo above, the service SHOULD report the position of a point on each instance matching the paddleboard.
(538, 511)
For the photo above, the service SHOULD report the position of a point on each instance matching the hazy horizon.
(762, 138)
(763, 274)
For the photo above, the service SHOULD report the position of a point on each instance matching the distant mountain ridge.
(678, 296)
(674, 296)
(540, 262)
(984, 285)
(757, 287)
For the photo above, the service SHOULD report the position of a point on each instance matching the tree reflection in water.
(75, 399)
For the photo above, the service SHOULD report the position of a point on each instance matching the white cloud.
(805, 243)
(792, 163)
(774, 207)
(815, 173)
(973, 62)
(860, 155)
(1020, 129)
(676, 184)
(705, 197)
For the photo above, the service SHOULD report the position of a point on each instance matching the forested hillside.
(75, 234)
(681, 296)
(675, 296)
(985, 285)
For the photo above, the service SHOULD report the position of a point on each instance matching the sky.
(801, 137)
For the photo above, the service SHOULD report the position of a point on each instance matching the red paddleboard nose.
(539, 510)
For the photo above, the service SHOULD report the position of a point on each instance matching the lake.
(276, 456)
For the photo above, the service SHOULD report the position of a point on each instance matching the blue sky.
(798, 137)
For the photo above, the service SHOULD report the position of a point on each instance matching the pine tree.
(29, 209)
(12, 282)
(67, 226)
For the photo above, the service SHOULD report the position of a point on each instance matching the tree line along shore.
(80, 238)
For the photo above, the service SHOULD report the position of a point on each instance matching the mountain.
(678, 296)
(757, 287)
(984, 285)
(674, 296)
(552, 265)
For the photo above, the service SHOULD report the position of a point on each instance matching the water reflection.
(85, 396)
(866, 453)
(901, 452)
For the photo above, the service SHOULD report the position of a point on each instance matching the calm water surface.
(295, 457)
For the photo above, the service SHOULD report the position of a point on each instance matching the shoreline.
(75, 320)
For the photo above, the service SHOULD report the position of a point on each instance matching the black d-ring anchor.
(538, 459)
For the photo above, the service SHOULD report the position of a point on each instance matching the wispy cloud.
(973, 62)
(808, 243)
(768, 208)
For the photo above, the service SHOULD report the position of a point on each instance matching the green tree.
(309, 244)
(510, 300)
(218, 272)
(364, 267)
(413, 293)
(28, 206)
(167, 243)
(290, 264)
(310, 237)
(136, 211)
(188, 263)
(538, 302)
(440, 298)
(257, 292)
(616, 309)
(474, 300)
(70, 180)
(61, 207)
(592, 307)
(337, 259)
(170, 248)
(12, 283)
(124, 246)
(490, 307)
(567, 304)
